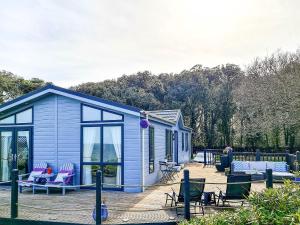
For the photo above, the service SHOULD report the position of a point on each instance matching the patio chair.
(166, 171)
(64, 178)
(38, 168)
(235, 192)
(196, 191)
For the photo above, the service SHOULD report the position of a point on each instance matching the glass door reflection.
(6, 153)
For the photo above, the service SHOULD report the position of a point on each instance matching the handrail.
(146, 186)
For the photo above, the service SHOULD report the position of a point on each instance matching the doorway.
(15, 151)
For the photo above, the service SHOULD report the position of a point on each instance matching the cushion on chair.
(280, 167)
(240, 166)
(60, 177)
(271, 165)
(258, 165)
(283, 174)
(33, 174)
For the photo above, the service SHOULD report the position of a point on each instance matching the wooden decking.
(77, 206)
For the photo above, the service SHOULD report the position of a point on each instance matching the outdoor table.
(209, 198)
(41, 176)
(171, 164)
(44, 176)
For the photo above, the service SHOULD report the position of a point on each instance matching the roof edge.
(70, 92)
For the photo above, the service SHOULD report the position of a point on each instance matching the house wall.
(57, 132)
(57, 135)
(159, 154)
(184, 155)
(160, 149)
(132, 153)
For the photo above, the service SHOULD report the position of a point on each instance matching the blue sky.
(69, 42)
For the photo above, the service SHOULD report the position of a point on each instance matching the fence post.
(187, 214)
(269, 182)
(204, 157)
(298, 158)
(98, 197)
(257, 155)
(287, 156)
(14, 194)
(230, 157)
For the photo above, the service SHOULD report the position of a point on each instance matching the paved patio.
(77, 206)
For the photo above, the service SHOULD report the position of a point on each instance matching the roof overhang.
(51, 89)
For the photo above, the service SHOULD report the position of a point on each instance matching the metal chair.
(236, 192)
(196, 191)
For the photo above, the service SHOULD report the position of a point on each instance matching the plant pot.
(104, 212)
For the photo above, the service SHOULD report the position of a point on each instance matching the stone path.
(77, 206)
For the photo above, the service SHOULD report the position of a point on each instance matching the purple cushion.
(53, 182)
(70, 172)
(39, 169)
(68, 180)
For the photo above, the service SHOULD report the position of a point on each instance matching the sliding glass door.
(15, 151)
(6, 152)
(23, 151)
(102, 149)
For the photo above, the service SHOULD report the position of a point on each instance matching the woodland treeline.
(255, 107)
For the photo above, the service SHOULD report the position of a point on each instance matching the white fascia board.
(82, 99)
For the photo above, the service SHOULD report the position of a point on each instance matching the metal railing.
(213, 156)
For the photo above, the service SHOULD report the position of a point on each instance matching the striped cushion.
(40, 166)
(258, 165)
(67, 167)
(271, 165)
(240, 166)
(280, 167)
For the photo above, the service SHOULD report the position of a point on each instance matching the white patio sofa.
(280, 170)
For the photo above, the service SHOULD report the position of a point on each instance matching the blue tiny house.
(57, 125)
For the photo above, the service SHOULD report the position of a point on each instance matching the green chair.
(235, 192)
(196, 192)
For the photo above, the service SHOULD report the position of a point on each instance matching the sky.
(69, 42)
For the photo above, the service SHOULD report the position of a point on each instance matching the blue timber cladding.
(57, 132)
(160, 149)
(57, 137)
(132, 153)
(68, 138)
(45, 131)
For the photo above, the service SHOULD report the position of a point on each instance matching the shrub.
(278, 206)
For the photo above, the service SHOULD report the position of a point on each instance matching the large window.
(102, 147)
(91, 144)
(8, 120)
(186, 141)
(92, 114)
(169, 147)
(112, 144)
(182, 141)
(23, 117)
(151, 150)
(108, 116)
